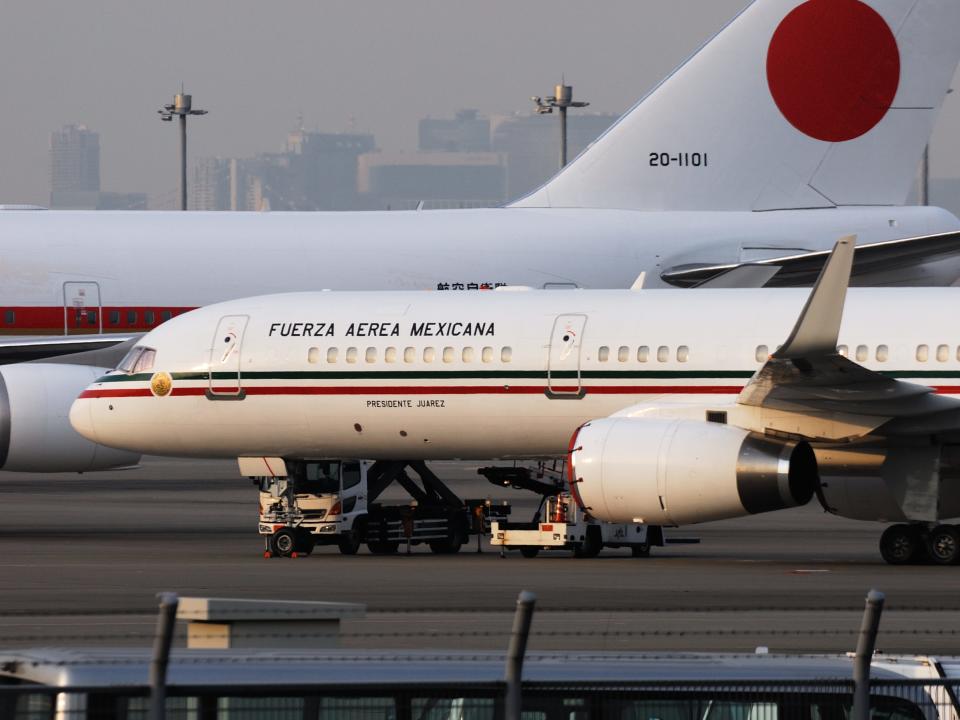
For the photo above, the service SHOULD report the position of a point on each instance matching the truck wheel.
(388, 547)
(305, 543)
(349, 542)
(640, 551)
(449, 546)
(592, 544)
(530, 552)
(283, 542)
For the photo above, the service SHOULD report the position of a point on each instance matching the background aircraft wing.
(25, 348)
(802, 269)
(807, 375)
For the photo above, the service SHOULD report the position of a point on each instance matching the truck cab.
(316, 503)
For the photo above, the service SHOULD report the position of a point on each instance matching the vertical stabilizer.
(794, 104)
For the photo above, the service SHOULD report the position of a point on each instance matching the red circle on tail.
(833, 68)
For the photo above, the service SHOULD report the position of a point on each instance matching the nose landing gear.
(914, 544)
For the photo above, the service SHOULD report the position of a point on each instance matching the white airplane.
(682, 407)
(741, 168)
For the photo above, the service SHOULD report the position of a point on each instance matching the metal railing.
(415, 700)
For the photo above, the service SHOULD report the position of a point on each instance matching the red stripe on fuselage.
(50, 320)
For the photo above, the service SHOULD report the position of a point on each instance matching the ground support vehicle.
(332, 502)
(567, 527)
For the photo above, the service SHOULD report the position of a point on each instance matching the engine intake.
(679, 472)
(35, 430)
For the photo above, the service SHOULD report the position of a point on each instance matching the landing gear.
(943, 545)
(911, 544)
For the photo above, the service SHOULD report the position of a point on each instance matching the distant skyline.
(364, 65)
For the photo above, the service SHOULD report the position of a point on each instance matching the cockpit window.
(139, 360)
(145, 361)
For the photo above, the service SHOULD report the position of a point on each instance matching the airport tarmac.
(82, 556)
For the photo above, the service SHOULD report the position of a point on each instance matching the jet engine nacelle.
(35, 431)
(678, 472)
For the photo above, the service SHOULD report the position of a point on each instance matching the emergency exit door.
(224, 374)
(563, 365)
(81, 308)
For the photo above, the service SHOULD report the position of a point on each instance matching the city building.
(531, 144)
(75, 174)
(315, 171)
(432, 180)
(466, 132)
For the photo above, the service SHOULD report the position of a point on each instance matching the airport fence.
(418, 699)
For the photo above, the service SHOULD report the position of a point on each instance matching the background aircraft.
(678, 411)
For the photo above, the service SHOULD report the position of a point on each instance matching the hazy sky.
(382, 64)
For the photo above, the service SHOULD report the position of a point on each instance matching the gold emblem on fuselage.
(161, 384)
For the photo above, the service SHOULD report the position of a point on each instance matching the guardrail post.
(518, 649)
(861, 663)
(166, 620)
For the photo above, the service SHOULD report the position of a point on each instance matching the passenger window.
(131, 317)
(390, 355)
(371, 355)
(663, 353)
(487, 355)
(943, 353)
(863, 352)
(883, 353)
(114, 317)
(448, 354)
(603, 354)
(92, 317)
(145, 361)
(351, 354)
(763, 352)
(313, 355)
(467, 355)
(409, 355)
(429, 354)
(149, 317)
(843, 350)
(683, 353)
(623, 354)
(643, 354)
(10, 317)
(506, 354)
(331, 355)
(165, 315)
(923, 353)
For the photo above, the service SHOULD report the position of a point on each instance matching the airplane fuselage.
(504, 374)
(90, 272)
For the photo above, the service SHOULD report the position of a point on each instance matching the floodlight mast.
(181, 107)
(561, 99)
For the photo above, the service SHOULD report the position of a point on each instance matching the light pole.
(181, 107)
(561, 99)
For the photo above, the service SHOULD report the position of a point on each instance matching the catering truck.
(334, 502)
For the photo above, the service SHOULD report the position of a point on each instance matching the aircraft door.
(563, 364)
(81, 308)
(224, 374)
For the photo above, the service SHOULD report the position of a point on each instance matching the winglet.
(818, 327)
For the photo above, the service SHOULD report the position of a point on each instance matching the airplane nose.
(81, 418)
